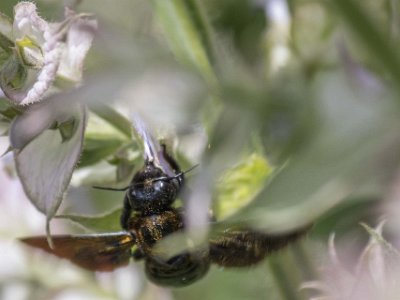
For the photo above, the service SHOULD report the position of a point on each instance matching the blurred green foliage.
(326, 117)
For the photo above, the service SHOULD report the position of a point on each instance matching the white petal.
(79, 40)
(28, 23)
(45, 77)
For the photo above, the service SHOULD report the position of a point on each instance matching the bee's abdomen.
(178, 271)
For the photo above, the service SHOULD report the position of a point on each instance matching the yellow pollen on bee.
(126, 240)
(148, 182)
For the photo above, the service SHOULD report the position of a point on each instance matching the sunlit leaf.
(46, 163)
(239, 185)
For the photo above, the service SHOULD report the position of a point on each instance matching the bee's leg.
(126, 213)
(245, 248)
(170, 159)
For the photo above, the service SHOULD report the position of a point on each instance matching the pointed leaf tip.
(45, 165)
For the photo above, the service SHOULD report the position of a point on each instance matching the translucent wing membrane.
(150, 146)
(153, 151)
(95, 252)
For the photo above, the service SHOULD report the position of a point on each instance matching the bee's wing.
(153, 151)
(96, 252)
(240, 248)
(150, 146)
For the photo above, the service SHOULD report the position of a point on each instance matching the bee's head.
(152, 191)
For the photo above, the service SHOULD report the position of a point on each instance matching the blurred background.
(291, 108)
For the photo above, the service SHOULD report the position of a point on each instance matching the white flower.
(51, 50)
(374, 276)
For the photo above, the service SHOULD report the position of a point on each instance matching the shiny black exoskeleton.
(147, 217)
(150, 192)
(148, 213)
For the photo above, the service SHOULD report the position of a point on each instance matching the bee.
(147, 217)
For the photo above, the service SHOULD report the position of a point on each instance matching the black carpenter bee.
(147, 217)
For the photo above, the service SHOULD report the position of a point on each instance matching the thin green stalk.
(114, 118)
(300, 255)
(283, 279)
(307, 270)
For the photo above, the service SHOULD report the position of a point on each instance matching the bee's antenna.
(187, 171)
(180, 174)
(110, 189)
(140, 183)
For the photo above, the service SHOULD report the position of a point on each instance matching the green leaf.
(6, 36)
(7, 110)
(107, 133)
(13, 76)
(67, 129)
(98, 148)
(239, 185)
(183, 36)
(46, 163)
(108, 222)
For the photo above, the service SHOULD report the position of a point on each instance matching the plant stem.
(302, 259)
(283, 281)
(114, 118)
